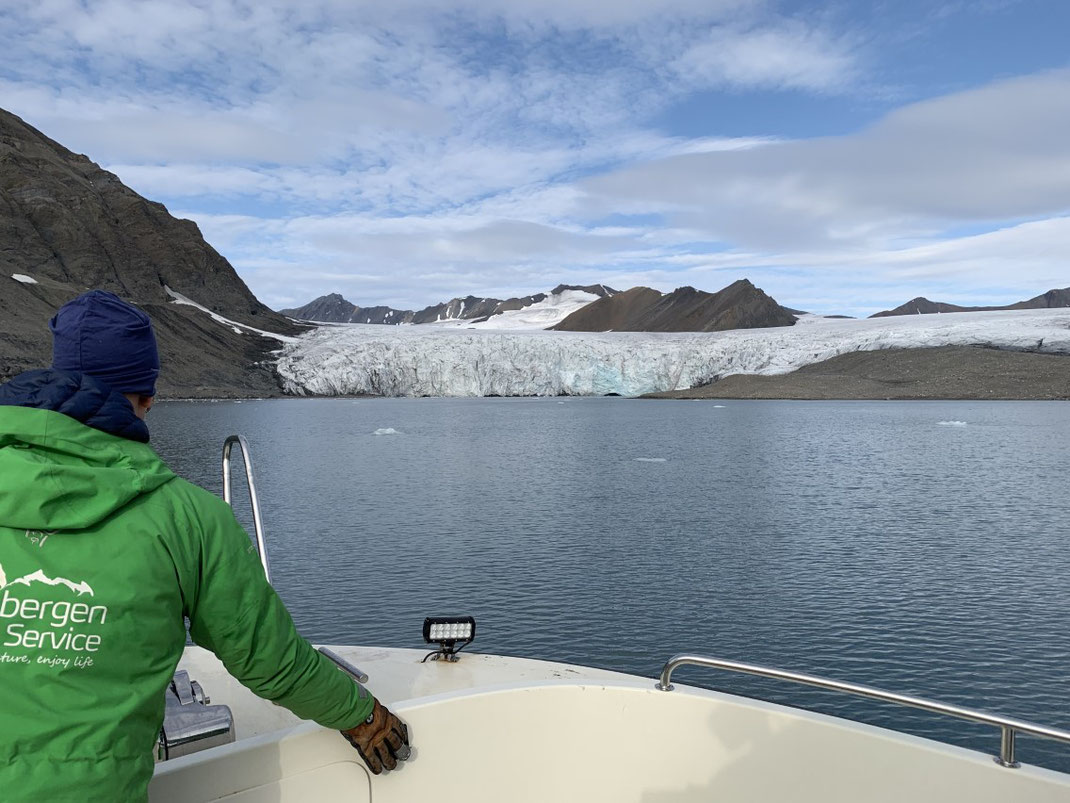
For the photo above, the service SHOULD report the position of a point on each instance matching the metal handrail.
(1008, 727)
(357, 673)
(258, 524)
(261, 545)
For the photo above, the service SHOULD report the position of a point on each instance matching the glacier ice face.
(434, 361)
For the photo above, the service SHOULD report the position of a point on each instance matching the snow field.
(546, 313)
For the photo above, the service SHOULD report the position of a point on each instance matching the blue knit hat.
(101, 335)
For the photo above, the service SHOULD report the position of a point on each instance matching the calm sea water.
(919, 547)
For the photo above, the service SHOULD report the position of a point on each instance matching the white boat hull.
(503, 729)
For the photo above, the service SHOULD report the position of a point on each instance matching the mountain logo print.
(80, 588)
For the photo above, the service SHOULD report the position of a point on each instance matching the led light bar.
(443, 631)
(451, 633)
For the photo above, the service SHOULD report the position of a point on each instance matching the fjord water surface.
(921, 547)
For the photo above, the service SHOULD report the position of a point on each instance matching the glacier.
(436, 361)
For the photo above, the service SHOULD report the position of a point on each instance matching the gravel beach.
(933, 373)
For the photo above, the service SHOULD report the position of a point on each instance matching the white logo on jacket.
(80, 588)
(51, 628)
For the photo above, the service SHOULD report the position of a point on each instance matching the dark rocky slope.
(953, 372)
(741, 305)
(71, 226)
(923, 306)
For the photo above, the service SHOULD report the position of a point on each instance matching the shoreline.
(947, 373)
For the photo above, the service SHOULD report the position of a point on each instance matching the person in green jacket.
(103, 551)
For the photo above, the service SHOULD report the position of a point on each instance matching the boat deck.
(489, 729)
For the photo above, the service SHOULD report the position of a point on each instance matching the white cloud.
(422, 149)
(787, 56)
(990, 154)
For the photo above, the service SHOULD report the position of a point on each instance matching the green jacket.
(103, 550)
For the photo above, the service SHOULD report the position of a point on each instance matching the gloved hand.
(382, 740)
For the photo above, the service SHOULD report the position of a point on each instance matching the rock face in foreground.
(334, 308)
(923, 306)
(66, 225)
(741, 305)
(952, 372)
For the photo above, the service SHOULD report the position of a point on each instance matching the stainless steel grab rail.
(350, 669)
(1008, 727)
(261, 545)
(258, 524)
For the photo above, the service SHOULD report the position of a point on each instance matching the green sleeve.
(235, 613)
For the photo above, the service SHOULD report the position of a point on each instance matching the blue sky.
(845, 156)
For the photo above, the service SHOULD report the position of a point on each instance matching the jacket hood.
(80, 396)
(57, 473)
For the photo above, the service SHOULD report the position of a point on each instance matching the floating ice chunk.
(650, 459)
(386, 431)
(22, 277)
(951, 423)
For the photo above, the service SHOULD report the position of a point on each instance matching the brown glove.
(382, 740)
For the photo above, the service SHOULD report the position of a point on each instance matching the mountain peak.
(923, 306)
(741, 305)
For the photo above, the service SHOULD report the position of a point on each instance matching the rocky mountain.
(334, 308)
(923, 306)
(741, 305)
(66, 225)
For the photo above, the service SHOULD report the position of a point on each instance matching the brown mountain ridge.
(923, 306)
(741, 305)
(333, 308)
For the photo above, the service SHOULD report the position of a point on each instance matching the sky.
(844, 156)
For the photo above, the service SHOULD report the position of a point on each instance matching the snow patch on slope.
(439, 361)
(178, 298)
(23, 278)
(542, 315)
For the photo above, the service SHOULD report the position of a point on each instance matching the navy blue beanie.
(101, 335)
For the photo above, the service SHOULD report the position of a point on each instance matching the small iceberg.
(386, 431)
(650, 459)
(951, 423)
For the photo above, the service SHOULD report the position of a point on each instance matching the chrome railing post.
(1009, 727)
(258, 525)
(1006, 749)
(666, 672)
